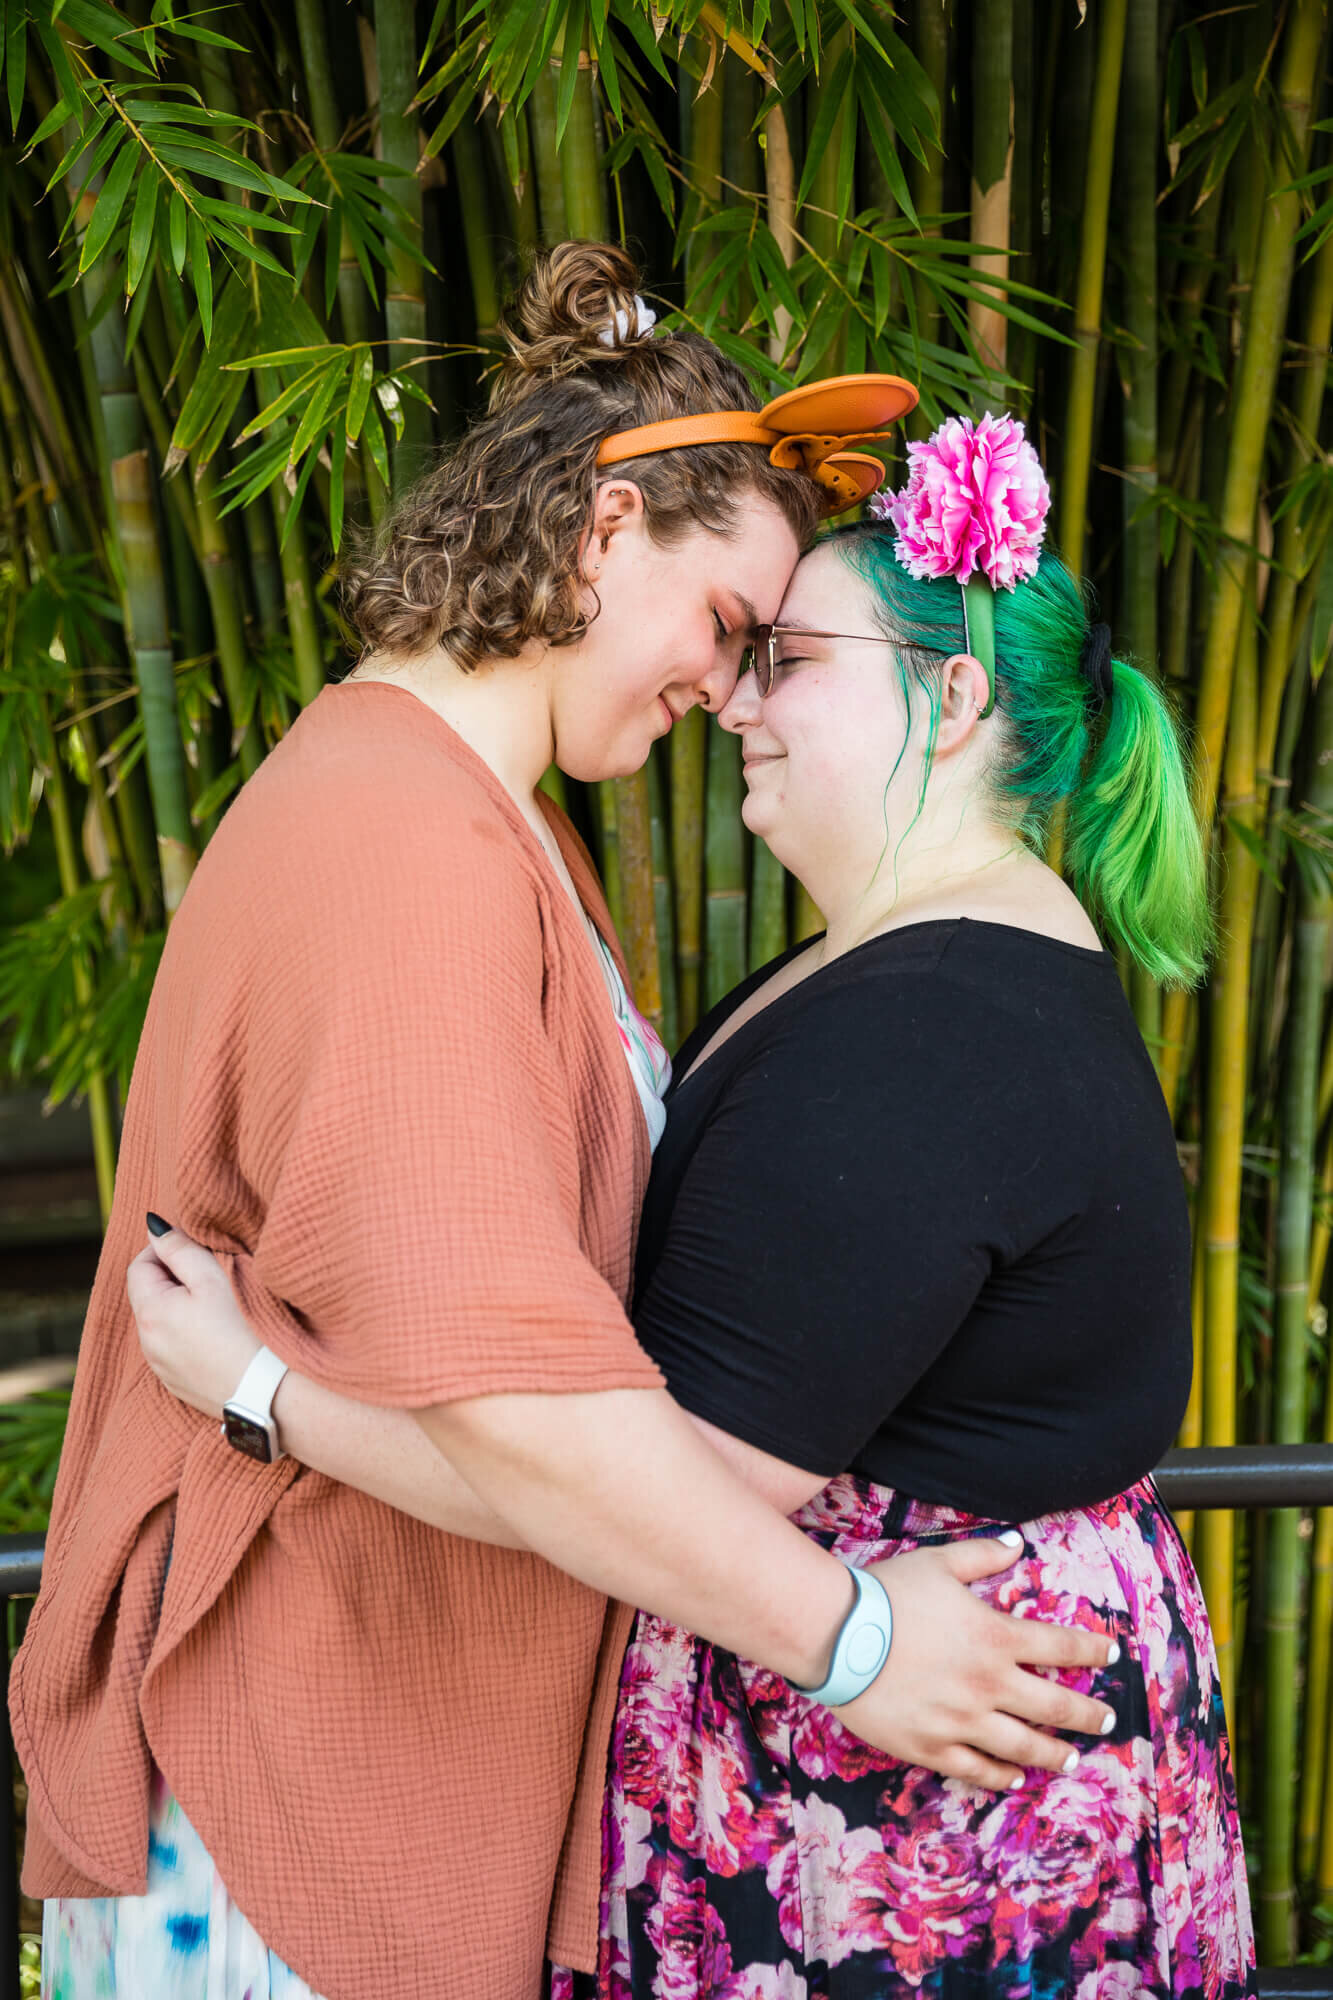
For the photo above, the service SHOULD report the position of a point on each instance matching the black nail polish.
(156, 1226)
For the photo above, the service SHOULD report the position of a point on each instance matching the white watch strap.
(259, 1384)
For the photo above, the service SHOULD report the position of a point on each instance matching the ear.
(617, 504)
(964, 692)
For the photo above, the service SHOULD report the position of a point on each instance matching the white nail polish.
(1011, 1538)
(1071, 1762)
(1108, 1725)
(1113, 1654)
(1017, 1784)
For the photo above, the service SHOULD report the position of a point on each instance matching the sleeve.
(416, 1137)
(835, 1224)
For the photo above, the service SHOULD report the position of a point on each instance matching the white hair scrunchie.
(622, 328)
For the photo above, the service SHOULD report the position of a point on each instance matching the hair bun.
(569, 298)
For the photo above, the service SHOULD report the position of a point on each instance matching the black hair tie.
(1096, 665)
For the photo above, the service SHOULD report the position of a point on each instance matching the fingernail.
(156, 1226)
(1071, 1762)
(1017, 1784)
(1011, 1538)
(1108, 1724)
(1112, 1653)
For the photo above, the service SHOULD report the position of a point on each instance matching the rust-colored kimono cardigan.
(380, 1070)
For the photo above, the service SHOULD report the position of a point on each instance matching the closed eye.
(722, 631)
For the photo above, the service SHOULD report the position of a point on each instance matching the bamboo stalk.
(580, 172)
(147, 625)
(666, 936)
(1081, 403)
(704, 167)
(1292, 558)
(478, 234)
(638, 922)
(688, 754)
(819, 218)
(1317, 1764)
(768, 906)
(1224, 1133)
(724, 862)
(930, 28)
(1252, 401)
(312, 28)
(1314, 927)
(603, 799)
(546, 158)
(992, 165)
(780, 205)
(405, 292)
(1137, 212)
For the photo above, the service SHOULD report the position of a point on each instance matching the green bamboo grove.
(251, 265)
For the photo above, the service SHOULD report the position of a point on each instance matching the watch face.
(247, 1436)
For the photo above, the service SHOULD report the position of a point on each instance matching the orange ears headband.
(808, 429)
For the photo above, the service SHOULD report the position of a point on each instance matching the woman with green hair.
(915, 1254)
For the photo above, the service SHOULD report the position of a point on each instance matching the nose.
(743, 708)
(715, 687)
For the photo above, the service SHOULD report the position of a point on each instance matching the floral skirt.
(184, 1940)
(754, 1849)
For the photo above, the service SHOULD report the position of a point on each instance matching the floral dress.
(754, 1849)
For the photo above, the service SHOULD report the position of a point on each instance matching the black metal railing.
(1243, 1476)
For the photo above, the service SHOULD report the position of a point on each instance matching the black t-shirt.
(922, 1219)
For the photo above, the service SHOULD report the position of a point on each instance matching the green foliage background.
(251, 262)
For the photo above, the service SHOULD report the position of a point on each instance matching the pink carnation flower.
(976, 498)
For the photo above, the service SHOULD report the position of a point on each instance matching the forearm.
(621, 1490)
(386, 1454)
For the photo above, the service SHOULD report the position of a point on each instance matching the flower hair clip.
(974, 508)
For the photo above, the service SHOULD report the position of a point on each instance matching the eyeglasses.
(763, 657)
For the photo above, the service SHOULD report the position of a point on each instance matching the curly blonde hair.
(482, 553)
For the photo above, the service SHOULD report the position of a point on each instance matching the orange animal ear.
(820, 419)
(844, 406)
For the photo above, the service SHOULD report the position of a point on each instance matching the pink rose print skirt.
(753, 1849)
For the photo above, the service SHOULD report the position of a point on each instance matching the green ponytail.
(1134, 850)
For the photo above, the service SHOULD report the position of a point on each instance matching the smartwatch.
(861, 1647)
(247, 1415)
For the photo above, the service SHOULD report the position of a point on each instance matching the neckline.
(1079, 952)
(588, 915)
(581, 874)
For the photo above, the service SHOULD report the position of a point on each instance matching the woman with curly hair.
(279, 1737)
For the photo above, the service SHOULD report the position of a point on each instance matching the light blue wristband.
(861, 1647)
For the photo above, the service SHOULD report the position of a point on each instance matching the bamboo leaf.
(312, 422)
(572, 45)
(375, 445)
(833, 96)
(107, 208)
(213, 797)
(194, 155)
(16, 58)
(177, 217)
(201, 273)
(337, 464)
(363, 370)
(142, 224)
(59, 115)
(273, 412)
